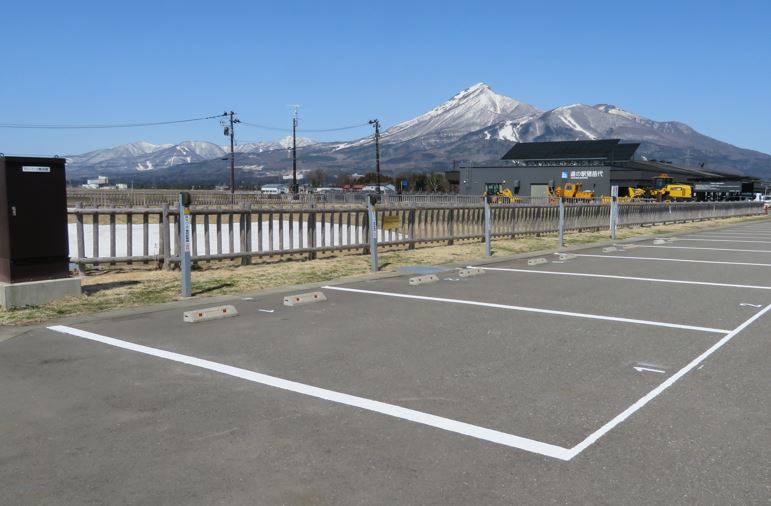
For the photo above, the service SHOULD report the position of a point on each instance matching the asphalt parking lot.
(634, 376)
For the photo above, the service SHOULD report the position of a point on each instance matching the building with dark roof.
(530, 168)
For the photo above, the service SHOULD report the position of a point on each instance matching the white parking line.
(719, 240)
(741, 234)
(666, 384)
(439, 422)
(709, 249)
(734, 237)
(493, 436)
(657, 259)
(528, 309)
(628, 278)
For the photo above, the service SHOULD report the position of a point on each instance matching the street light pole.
(376, 124)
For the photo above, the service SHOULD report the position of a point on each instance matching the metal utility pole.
(230, 130)
(376, 124)
(295, 187)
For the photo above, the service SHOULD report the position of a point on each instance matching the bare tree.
(317, 177)
(436, 182)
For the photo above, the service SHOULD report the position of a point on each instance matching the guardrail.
(149, 234)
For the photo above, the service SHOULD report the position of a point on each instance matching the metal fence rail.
(109, 235)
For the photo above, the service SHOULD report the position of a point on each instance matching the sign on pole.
(185, 239)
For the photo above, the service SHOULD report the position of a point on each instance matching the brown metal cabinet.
(33, 219)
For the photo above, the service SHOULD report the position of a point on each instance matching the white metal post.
(562, 223)
(185, 241)
(372, 232)
(613, 211)
(488, 226)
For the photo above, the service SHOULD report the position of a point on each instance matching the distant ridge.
(476, 124)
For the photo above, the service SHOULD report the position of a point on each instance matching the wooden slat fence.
(110, 235)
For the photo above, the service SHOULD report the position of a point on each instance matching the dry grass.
(123, 288)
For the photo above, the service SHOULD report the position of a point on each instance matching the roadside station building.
(530, 168)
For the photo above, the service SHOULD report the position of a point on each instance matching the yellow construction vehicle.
(504, 196)
(571, 191)
(664, 188)
(632, 195)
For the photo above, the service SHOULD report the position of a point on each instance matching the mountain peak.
(617, 111)
(475, 107)
(475, 89)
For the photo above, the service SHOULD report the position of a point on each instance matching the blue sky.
(707, 64)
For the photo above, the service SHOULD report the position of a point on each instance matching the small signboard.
(188, 231)
(35, 168)
(391, 222)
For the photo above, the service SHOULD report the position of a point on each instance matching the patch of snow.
(572, 123)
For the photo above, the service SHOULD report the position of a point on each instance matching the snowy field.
(332, 233)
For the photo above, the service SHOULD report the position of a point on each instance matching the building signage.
(35, 168)
(718, 186)
(582, 174)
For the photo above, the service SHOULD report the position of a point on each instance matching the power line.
(121, 125)
(266, 127)
(159, 123)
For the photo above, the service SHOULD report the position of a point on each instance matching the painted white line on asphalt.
(720, 240)
(529, 309)
(731, 232)
(630, 278)
(438, 422)
(666, 384)
(734, 238)
(657, 259)
(640, 368)
(743, 234)
(709, 249)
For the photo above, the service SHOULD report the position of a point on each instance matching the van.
(274, 189)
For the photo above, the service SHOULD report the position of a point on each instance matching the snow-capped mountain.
(284, 143)
(473, 108)
(135, 149)
(667, 140)
(476, 124)
(143, 156)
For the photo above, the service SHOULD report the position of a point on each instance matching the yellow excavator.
(570, 191)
